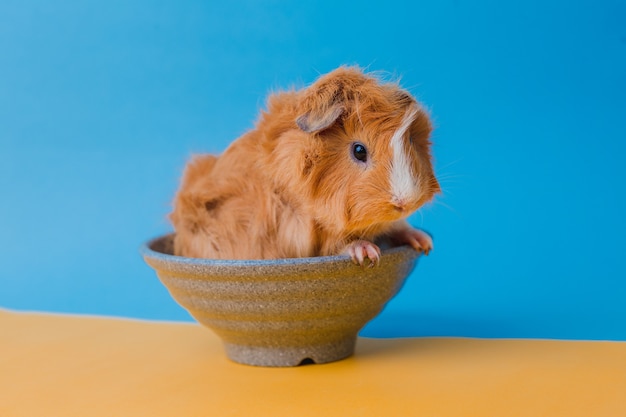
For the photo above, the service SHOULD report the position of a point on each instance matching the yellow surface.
(83, 366)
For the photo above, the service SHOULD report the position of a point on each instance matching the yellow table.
(54, 365)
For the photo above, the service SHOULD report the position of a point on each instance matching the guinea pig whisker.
(441, 203)
(450, 164)
(448, 176)
(421, 216)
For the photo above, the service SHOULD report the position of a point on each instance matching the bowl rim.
(147, 252)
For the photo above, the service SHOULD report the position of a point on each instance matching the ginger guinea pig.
(327, 170)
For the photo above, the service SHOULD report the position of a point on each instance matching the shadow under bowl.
(282, 312)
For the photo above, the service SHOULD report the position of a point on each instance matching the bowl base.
(291, 356)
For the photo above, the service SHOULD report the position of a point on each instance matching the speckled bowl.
(282, 312)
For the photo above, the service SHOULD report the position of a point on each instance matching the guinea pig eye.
(359, 152)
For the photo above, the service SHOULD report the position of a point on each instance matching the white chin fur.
(402, 178)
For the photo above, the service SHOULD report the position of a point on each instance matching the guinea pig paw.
(418, 239)
(359, 250)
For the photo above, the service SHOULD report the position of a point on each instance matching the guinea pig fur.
(327, 170)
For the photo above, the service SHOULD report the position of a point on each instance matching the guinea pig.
(327, 170)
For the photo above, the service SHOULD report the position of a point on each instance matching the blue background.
(101, 104)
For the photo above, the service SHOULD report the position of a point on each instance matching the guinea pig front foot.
(416, 238)
(360, 250)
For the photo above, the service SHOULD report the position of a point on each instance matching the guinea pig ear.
(319, 119)
(321, 105)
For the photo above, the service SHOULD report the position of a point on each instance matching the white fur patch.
(402, 177)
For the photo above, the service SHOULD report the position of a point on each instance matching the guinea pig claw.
(418, 239)
(356, 254)
(373, 252)
(360, 255)
(360, 250)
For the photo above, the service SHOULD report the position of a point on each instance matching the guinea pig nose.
(398, 204)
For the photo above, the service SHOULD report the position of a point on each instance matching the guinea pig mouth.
(395, 212)
(402, 211)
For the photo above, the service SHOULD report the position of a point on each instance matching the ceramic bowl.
(282, 312)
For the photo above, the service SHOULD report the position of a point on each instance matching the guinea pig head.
(368, 159)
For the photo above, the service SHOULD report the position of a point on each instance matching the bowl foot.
(291, 356)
